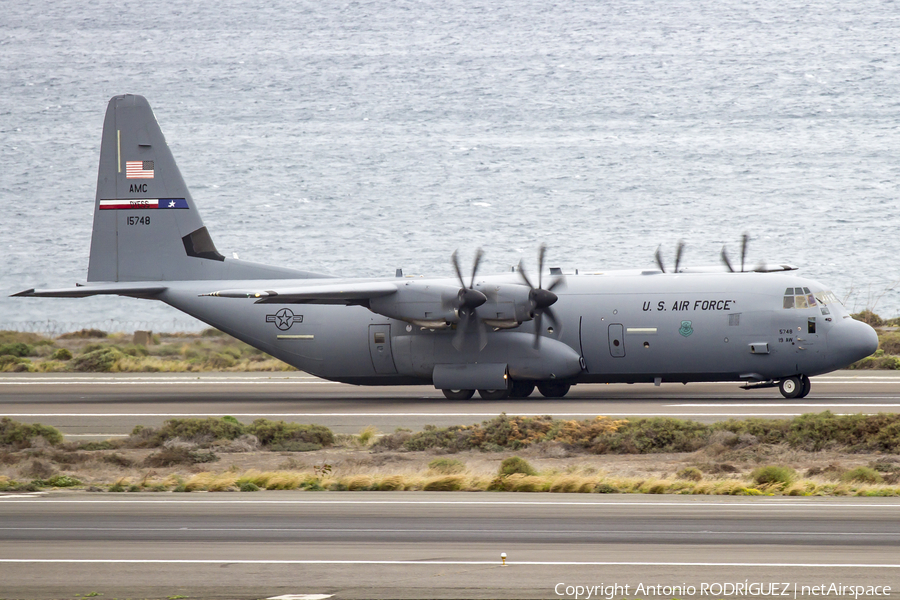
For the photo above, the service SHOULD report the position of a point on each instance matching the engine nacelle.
(423, 304)
(507, 305)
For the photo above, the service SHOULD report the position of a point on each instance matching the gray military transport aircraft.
(764, 327)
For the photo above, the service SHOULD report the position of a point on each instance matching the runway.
(437, 545)
(98, 405)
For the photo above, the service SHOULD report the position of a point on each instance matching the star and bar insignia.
(284, 319)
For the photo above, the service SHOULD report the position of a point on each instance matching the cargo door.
(617, 340)
(380, 349)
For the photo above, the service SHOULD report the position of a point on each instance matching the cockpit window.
(826, 298)
(802, 297)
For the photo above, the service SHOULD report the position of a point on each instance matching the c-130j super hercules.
(501, 334)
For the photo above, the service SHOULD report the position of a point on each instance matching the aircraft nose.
(854, 339)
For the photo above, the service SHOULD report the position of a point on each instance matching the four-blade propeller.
(467, 301)
(541, 298)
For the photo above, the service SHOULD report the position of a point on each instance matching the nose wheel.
(795, 387)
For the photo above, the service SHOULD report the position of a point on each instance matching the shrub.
(62, 481)
(198, 430)
(659, 434)
(862, 475)
(20, 435)
(773, 474)
(447, 466)
(136, 350)
(367, 435)
(515, 464)
(890, 342)
(606, 488)
(15, 364)
(220, 360)
(84, 334)
(249, 486)
(61, 354)
(39, 470)
(98, 361)
(212, 332)
(867, 316)
(690, 473)
(16, 349)
(393, 441)
(292, 437)
(118, 460)
(179, 455)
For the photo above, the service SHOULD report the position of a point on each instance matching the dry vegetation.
(811, 455)
(92, 350)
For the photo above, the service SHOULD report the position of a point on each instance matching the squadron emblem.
(686, 329)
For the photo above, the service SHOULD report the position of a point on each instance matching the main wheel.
(458, 394)
(493, 394)
(520, 389)
(791, 387)
(806, 385)
(553, 389)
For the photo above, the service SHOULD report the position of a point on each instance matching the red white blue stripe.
(143, 203)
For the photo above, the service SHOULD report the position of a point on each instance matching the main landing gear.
(517, 389)
(795, 387)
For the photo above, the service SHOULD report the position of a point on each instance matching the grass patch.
(773, 474)
(515, 465)
(446, 466)
(862, 475)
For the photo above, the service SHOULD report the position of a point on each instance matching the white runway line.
(566, 532)
(201, 561)
(764, 504)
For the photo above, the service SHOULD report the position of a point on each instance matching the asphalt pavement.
(99, 405)
(438, 545)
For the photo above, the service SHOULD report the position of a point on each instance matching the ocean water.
(360, 137)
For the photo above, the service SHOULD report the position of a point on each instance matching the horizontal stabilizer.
(347, 293)
(83, 291)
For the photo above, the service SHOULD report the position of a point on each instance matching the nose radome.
(854, 339)
(871, 338)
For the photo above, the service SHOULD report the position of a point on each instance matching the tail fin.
(146, 226)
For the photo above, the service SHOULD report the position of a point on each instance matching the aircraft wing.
(83, 291)
(334, 293)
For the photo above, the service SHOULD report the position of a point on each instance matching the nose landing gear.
(795, 387)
